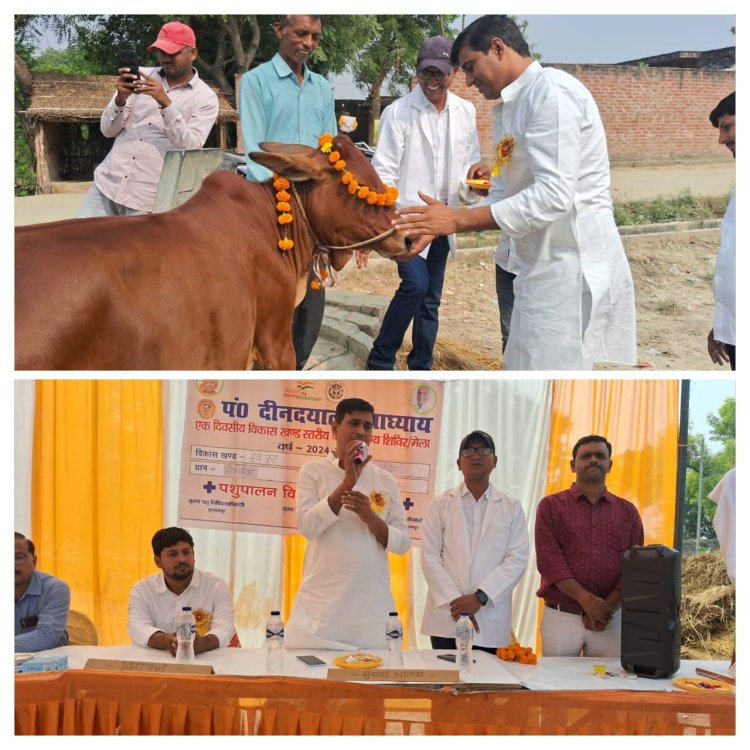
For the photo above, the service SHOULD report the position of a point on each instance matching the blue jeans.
(417, 298)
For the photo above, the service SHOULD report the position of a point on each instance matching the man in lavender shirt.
(162, 109)
(581, 535)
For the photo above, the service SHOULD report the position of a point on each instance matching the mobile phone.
(128, 59)
(311, 661)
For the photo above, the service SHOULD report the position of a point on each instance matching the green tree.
(392, 54)
(706, 466)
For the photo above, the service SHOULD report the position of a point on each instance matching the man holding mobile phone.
(153, 111)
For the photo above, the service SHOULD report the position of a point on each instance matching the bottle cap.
(393, 614)
(187, 609)
(275, 612)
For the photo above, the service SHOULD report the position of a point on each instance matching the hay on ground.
(449, 355)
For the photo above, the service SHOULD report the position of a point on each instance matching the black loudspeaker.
(651, 590)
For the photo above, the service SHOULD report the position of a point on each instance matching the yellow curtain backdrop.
(97, 487)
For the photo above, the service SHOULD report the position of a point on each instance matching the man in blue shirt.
(42, 603)
(283, 100)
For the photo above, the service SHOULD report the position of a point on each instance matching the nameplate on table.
(394, 675)
(153, 667)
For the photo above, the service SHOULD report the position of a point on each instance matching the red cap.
(173, 37)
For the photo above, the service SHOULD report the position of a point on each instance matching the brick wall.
(651, 115)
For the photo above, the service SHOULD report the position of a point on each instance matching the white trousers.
(97, 204)
(563, 634)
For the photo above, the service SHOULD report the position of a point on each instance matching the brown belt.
(560, 608)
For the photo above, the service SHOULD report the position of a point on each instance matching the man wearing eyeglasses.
(475, 546)
(42, 603)
(427, 142)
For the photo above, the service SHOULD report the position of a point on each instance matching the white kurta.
(574, 299)
(345, 595)
(725, 276)
(451, 570)
(405, 154)
(725, 520)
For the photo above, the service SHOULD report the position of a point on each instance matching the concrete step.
(350, 324)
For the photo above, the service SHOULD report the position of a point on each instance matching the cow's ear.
(295, 168)
(288, 149)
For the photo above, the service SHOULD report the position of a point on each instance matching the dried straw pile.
(708, 608)
(448, 355)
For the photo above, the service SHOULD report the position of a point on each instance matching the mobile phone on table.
(129, 60)
(451, 658)
(311, 661)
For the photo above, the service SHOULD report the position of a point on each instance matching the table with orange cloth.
(244, 700)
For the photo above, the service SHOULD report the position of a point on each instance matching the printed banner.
(245, 441)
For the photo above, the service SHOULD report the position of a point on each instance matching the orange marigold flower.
(334, 156)
(285, 219)
(339, 165)
(323, 273)
(281, 183)
(283, 206)
(282, 195)
(372, 198)
(363, 192)
(347, 177)
(315, 284)
(381, 199)
(391, 191)
(388, 201)
(286, 244)
(325, 138)
(353, 187)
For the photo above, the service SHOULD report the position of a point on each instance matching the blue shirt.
(274, 107)
(48, 599)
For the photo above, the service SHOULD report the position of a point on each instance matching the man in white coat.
(574, 301)
(427, 141)
(475, 546)
(722, 338)
(351, 513)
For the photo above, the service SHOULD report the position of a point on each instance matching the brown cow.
(201, 287)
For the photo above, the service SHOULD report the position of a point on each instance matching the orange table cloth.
(107, 703)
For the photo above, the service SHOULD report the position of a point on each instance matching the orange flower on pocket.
(377, 501)
(203, 620)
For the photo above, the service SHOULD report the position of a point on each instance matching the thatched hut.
(65, 110)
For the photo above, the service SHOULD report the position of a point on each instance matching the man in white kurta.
(475, 547)
(574, 300)
(352, 515)
(722, 338)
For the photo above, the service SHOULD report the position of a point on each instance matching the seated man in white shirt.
(156, 601)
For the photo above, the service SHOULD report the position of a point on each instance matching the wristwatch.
(483, 598)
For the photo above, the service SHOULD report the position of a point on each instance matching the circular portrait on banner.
(423, 399)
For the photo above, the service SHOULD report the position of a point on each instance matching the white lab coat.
(725, 278)
(345, 596)
(500, 561)
(574, 299)
(405, 154)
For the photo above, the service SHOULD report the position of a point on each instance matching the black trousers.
(438, 643)
(306, 323)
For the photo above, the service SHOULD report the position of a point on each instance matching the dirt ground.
(672, 274)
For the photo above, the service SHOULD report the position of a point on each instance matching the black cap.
(481, 436)
(435, 53)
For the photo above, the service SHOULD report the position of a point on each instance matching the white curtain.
(515, 412)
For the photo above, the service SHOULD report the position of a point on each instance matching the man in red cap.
(159, 110)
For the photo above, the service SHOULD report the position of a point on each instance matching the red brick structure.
(651, 115)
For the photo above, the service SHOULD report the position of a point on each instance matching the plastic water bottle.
(394, 640)
(464, 641)
(185, 636)
(274, 643)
